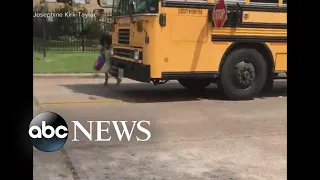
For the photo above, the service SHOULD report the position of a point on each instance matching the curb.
(82, 75)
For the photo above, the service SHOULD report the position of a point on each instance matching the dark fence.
(69, 34)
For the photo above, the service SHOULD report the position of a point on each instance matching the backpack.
(99, 63)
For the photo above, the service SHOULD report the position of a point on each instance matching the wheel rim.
(244, 74)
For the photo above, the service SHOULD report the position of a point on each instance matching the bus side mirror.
(139, 26)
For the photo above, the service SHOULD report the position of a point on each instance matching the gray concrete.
(194, 136)
(69, 75)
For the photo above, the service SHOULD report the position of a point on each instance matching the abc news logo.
(48, 131)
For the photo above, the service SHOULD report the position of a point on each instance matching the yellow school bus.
(161, 40)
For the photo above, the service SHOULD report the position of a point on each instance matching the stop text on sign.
(219, 14)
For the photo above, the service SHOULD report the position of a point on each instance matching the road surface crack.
(70, 165)
(67, 159)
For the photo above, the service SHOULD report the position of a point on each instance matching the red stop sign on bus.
(219, 14)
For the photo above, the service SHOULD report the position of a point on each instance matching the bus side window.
(265, 1)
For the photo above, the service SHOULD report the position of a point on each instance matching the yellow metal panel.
(179, 31)
(264, 17)
(281, 62)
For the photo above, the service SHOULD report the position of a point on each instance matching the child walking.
(105, 42)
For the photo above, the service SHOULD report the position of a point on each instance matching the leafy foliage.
(63, 28)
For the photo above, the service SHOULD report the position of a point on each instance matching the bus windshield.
(142, 6)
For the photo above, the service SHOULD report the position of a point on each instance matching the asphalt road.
(194, 135)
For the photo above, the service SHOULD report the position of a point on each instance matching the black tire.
(195, 84)
(229, 82)
(268, 86)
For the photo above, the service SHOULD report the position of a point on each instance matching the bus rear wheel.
(243, 74)
(195, 84)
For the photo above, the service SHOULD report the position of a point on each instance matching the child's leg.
(106, 78)
(118, 80)
(116, 76)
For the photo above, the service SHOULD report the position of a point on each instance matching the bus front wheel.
(243, 74)
(195, 84)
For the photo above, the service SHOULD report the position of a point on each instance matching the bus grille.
(124, 36)
(123, 53)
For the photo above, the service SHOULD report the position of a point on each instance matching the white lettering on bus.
(219, 13)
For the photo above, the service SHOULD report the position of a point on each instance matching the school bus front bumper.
(132, 70)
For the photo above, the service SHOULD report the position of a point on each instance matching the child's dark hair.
(106, 40)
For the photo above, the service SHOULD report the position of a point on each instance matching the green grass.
(64, 63)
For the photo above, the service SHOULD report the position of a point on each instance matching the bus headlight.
(111, 51)
(136, 54)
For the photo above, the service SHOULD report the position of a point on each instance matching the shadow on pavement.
(170, 92)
